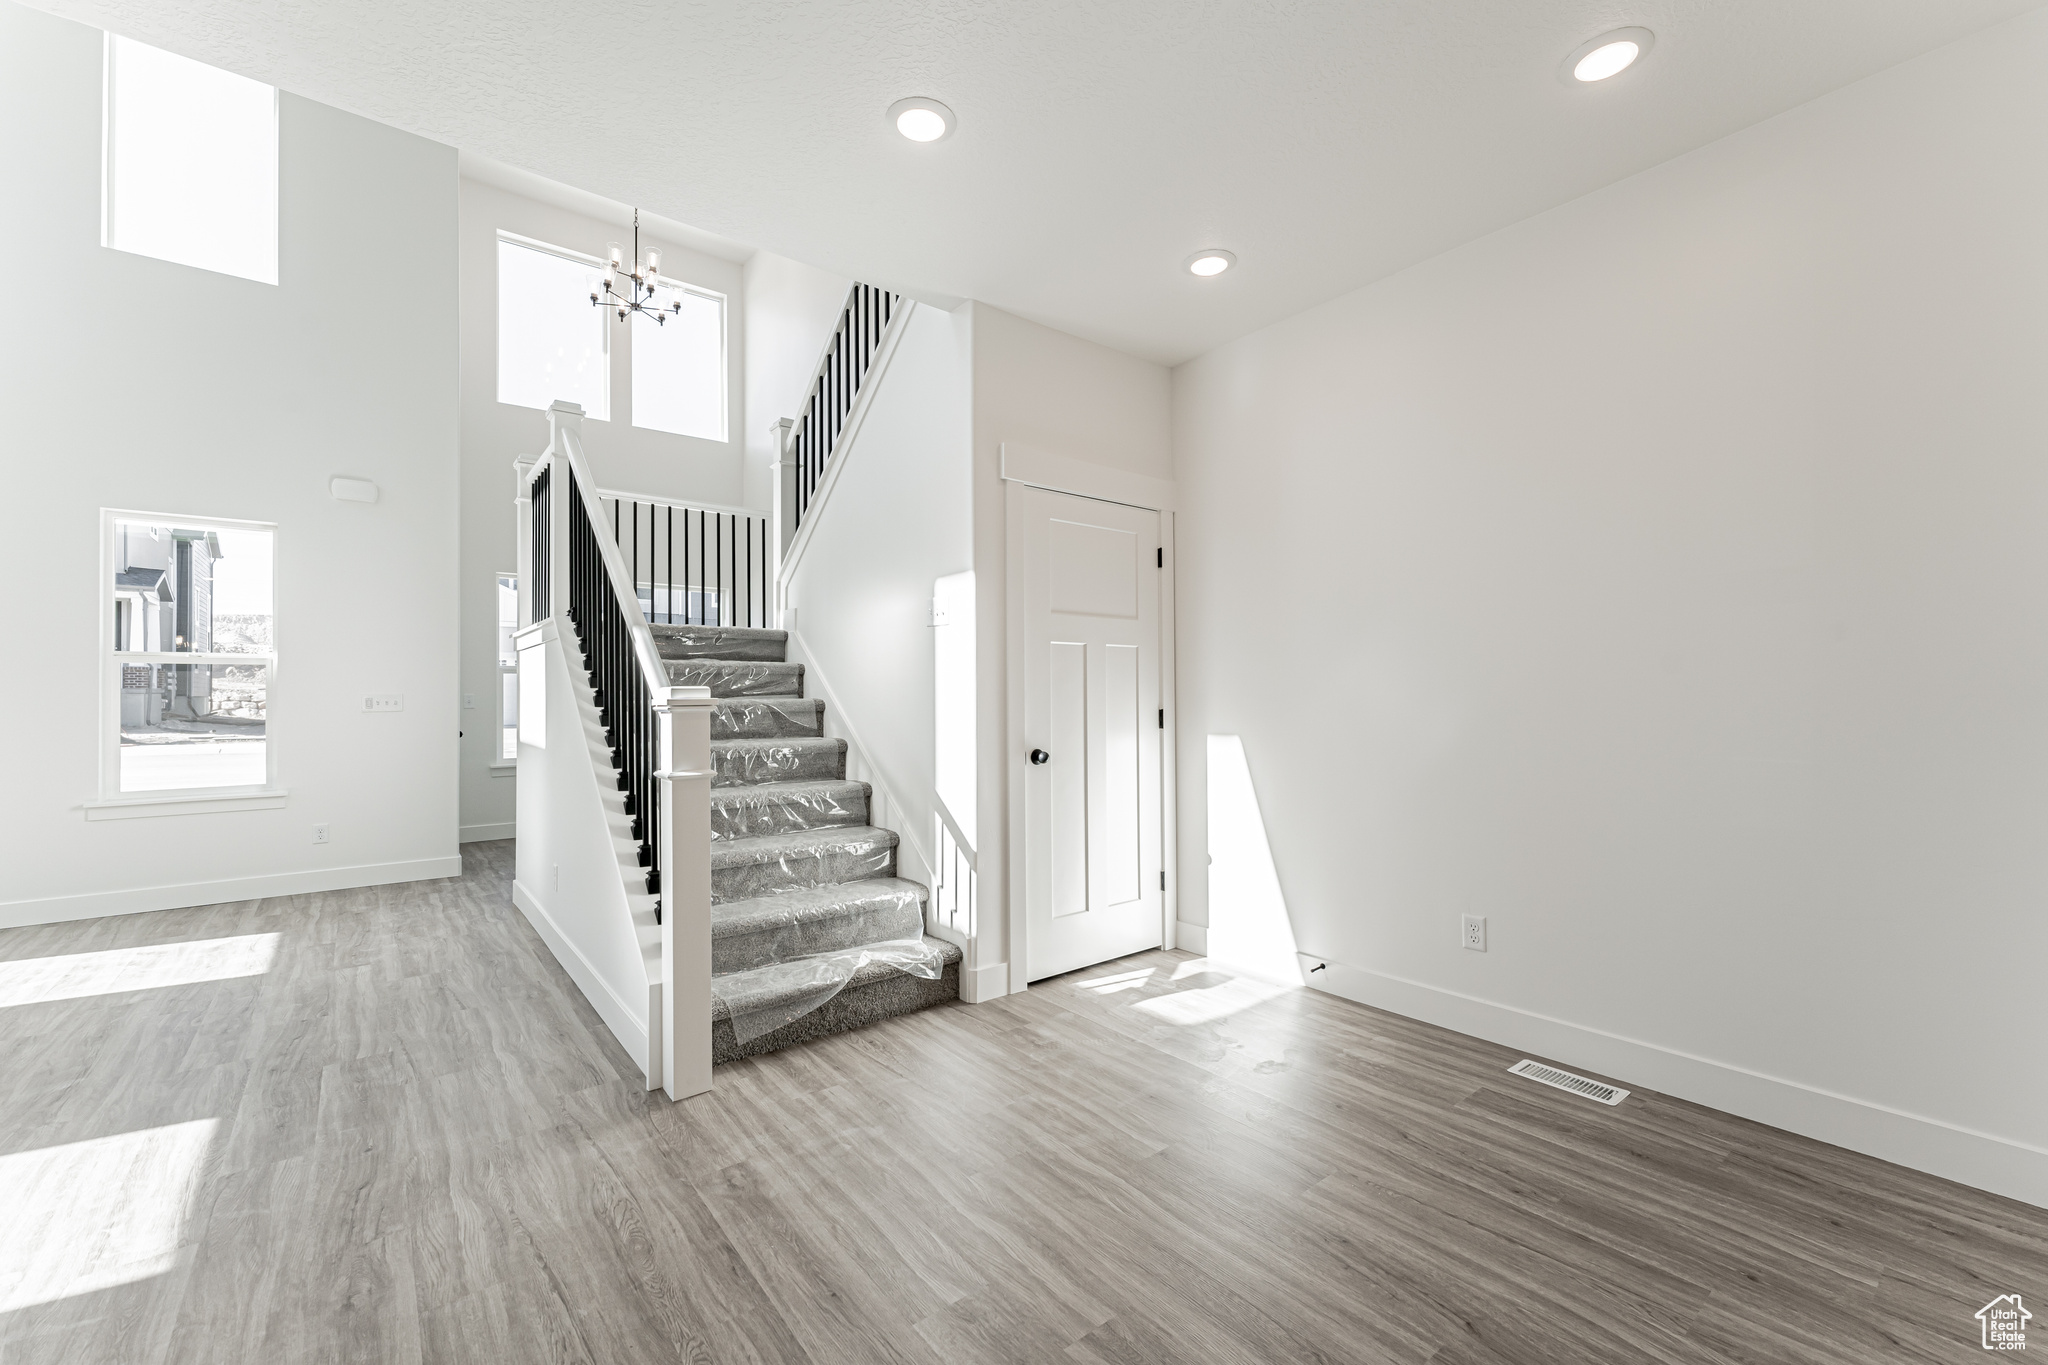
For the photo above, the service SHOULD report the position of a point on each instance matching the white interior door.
(1091, 714)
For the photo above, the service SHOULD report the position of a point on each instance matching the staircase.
(812, 931)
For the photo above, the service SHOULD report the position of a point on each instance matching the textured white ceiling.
(1326, 142)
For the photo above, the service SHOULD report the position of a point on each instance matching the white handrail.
(799, 539)
(965, 844)
(565, 421)
(694, 505)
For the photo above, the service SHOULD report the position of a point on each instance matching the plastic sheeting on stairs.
(765, 999)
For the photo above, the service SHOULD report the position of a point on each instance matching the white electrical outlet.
(554, 876)
(384, 701)
(319, 834)
(1473, 930)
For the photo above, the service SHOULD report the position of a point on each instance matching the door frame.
(1054, 473)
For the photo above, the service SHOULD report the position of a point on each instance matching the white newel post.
(522, 536)
(784, 510)
(685, 718)
(562, 418)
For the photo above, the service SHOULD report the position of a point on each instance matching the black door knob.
(1040, 756)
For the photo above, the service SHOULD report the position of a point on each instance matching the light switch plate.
(384, 701)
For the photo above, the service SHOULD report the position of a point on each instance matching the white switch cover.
(384, 701)
(469, 701)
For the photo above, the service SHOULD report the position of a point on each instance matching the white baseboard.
(2004, 1166)
(985, 983)
(1193, 938)
(94, 904)
(476, 834)
(618, 1016)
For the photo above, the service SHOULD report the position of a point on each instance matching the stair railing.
(809, 439)
(659, 735)
(694, 564)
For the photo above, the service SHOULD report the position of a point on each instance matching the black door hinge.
(1162, 718)
(1162, 556)
(1162, 879)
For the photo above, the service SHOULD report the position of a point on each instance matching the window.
(552, 344)
(190, 160)
(192, 656)
(508, 669)
(679, 366)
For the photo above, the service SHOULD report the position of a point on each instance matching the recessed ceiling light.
(1214, 261)
(1608, 55)
(921, 120)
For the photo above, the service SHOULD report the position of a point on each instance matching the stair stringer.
(579, 882)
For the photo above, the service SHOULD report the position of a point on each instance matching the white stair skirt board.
(985, 983)
(93, 904)
(627, 1025)
(2018, 1170)
(476, 834)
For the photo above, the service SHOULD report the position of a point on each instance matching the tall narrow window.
(552, 343)
(508, 668)
(193, 650)
(679, 366)
(190, 160)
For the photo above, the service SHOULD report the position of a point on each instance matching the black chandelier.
(639, 295)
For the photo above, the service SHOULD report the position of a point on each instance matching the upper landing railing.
(807, 448)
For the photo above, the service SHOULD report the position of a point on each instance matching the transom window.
(190, 162)
(679, 366)
(552, 344)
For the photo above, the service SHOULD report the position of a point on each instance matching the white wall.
(791, 311)
(1661, 579)
(621, 455)
(1076, 402)
(135, 383)
(896, 519)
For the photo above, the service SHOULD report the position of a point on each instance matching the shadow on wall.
(1248, 924)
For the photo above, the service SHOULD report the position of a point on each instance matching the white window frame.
(498, 323)
(112, 803)
(505, 670)
(724, 364)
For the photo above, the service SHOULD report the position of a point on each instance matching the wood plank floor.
(409, 1139)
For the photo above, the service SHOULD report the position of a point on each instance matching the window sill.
(187, 803)
(504, 767)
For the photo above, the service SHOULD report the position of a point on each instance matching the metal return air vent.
(1565, 1080)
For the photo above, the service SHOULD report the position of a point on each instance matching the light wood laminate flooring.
(395, 1132)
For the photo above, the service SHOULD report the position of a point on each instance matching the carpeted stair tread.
(786, 807)
(738, 677)
(766, 717)
(753, 762)
(721, 642)
(750, 934)
(765, 987)
(776, 863)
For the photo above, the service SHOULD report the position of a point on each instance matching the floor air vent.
(1565, 1080)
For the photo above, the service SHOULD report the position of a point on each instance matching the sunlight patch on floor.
(1121, 981)
(31, 981)
(1204, 1004)
(91, 1215)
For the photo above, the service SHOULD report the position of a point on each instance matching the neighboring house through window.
(192, 656)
